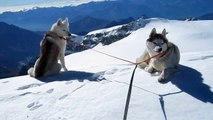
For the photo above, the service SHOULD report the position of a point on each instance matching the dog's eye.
(155, 43)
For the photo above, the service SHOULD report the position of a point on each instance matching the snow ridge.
(95, 88)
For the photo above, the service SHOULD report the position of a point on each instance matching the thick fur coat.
(52, 49)
(167, 63)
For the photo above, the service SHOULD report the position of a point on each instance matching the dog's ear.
(59, 22)
(66, 21)
(153, 32)
(164, 32)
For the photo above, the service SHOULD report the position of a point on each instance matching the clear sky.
(9, 3)
(16, 5)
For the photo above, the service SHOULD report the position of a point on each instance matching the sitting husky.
(167, 63)
(52, 49)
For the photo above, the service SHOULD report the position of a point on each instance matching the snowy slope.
(104, 30)
(96, 86)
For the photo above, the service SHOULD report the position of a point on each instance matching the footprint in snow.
(115, 70)
(29, 86)
(50, 91)
(63, 97)
(112, 71)
(33, 106)
(26, 93)
(125, 69)
(5, 82)
(68, 82)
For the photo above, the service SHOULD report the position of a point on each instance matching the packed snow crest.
(95, 87)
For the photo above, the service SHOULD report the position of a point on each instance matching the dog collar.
(162, 54)
(62, 38)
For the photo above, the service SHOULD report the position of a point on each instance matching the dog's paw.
(65, 69)
(163, 80)
(160, 79)
(148, 69)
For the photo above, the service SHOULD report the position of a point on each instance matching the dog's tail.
(31, 72)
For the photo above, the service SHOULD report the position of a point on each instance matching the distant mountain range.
(109, 35)
(99, 13)
(18, 46)
(95, 15)
(87, 24)
(208, 16)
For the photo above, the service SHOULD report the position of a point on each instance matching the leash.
(131, 84)
(129, 94)
(112, 56)
(133, 72)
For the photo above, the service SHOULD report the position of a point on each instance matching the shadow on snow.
(74, 75)
(190, 81)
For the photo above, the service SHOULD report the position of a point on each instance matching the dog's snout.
(69, 34)
(158, 49)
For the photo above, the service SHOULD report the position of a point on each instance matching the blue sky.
(17, 5)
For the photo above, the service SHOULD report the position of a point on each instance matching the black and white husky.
(52, 49)
(167, 63)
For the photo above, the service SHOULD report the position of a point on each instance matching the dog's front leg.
(61, 57)
(149, 69)
(162, 76)
(143, 57)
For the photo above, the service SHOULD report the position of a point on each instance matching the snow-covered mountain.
(95, 87)
(109, 35)
(40, 19)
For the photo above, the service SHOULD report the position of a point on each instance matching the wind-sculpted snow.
(95, 87)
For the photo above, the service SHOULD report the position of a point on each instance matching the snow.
(96, 86)
(104, 30)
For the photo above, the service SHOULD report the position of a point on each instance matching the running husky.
(167, 63)
(52, 49)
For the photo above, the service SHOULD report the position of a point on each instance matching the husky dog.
(52, 49)
(167, 63)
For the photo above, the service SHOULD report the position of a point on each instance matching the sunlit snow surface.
(95, 87)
